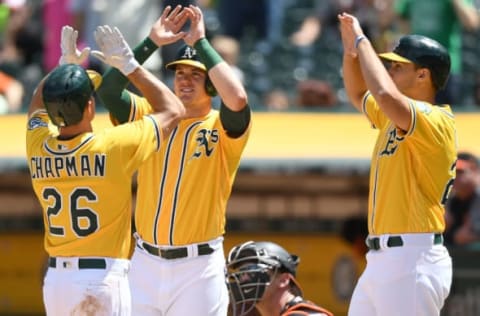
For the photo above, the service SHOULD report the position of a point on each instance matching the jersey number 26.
(83, 221)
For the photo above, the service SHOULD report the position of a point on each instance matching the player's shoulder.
(429, 109)
(130, 133)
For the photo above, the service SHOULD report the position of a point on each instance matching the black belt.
(176, 253)
(396, 241)
(83, 263)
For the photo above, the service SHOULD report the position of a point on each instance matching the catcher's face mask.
(251, 267)
(249, 272)
(246, 286)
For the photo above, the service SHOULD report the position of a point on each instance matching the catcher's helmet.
(425, 52)
(66, 91)
(251, 266)
(187, 55)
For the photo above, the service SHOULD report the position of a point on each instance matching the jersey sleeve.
(233, 147)
(136, 140)
(235, 123)
(38, 128)
(373, 112)
(431, 125)
(140, 107)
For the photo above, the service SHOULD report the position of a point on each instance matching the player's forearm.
(226, 83)
(467, 14)
(113, 91)
(380, 84)
(113, 95)
(228, 86)
(353, 81)
(37, 102)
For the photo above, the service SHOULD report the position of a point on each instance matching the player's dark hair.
(468, 157)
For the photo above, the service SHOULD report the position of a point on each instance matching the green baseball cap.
(186, 55)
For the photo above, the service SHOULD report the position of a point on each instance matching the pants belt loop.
(52, 262)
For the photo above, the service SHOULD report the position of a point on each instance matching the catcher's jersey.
(183, 189)
(304, 308)
(411, 172)
(84, 184)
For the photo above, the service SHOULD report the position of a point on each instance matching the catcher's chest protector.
(304, 308)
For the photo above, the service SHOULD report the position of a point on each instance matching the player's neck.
(426, 94)
(69, 132)
(275, 304)
(192, 112)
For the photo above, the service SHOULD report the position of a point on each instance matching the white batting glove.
(114, 50)
(70, 52)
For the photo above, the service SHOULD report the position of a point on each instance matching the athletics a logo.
(189, 53)
(206, 140)
(392, 143)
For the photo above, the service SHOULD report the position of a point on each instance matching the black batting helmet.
(425, 52)
(187, 55)
(251, 266)
(66, 91)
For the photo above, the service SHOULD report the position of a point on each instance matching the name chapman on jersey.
(72, 166)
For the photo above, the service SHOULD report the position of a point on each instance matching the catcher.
(261, 275)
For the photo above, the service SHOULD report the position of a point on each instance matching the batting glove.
(70, 52)
(114, 50)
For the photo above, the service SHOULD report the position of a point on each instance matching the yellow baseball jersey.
(84, 184)
(183, 189)
(411, 172)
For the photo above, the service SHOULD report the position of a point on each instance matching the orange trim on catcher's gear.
(304, 308)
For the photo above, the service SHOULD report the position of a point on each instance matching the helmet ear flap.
(209, 88)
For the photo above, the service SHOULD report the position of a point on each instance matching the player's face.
(189, 84)
(466, 181)
(403, 74)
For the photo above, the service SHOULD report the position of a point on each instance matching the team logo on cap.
(189, 53)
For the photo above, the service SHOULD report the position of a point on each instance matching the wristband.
(358, 39)
(144, 50)
(208, 55)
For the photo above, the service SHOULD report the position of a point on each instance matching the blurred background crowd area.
(287, 52)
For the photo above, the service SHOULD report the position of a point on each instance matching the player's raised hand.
(68, 44)
(197, 26)
(350, 30)
(167, 29)
(114, 49)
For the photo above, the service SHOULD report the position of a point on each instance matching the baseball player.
(261, 275)
(82, 178)
(409, 270)
(178, 264)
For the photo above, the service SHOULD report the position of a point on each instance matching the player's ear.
(423, 73)
(90, 109)
(283, 279)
